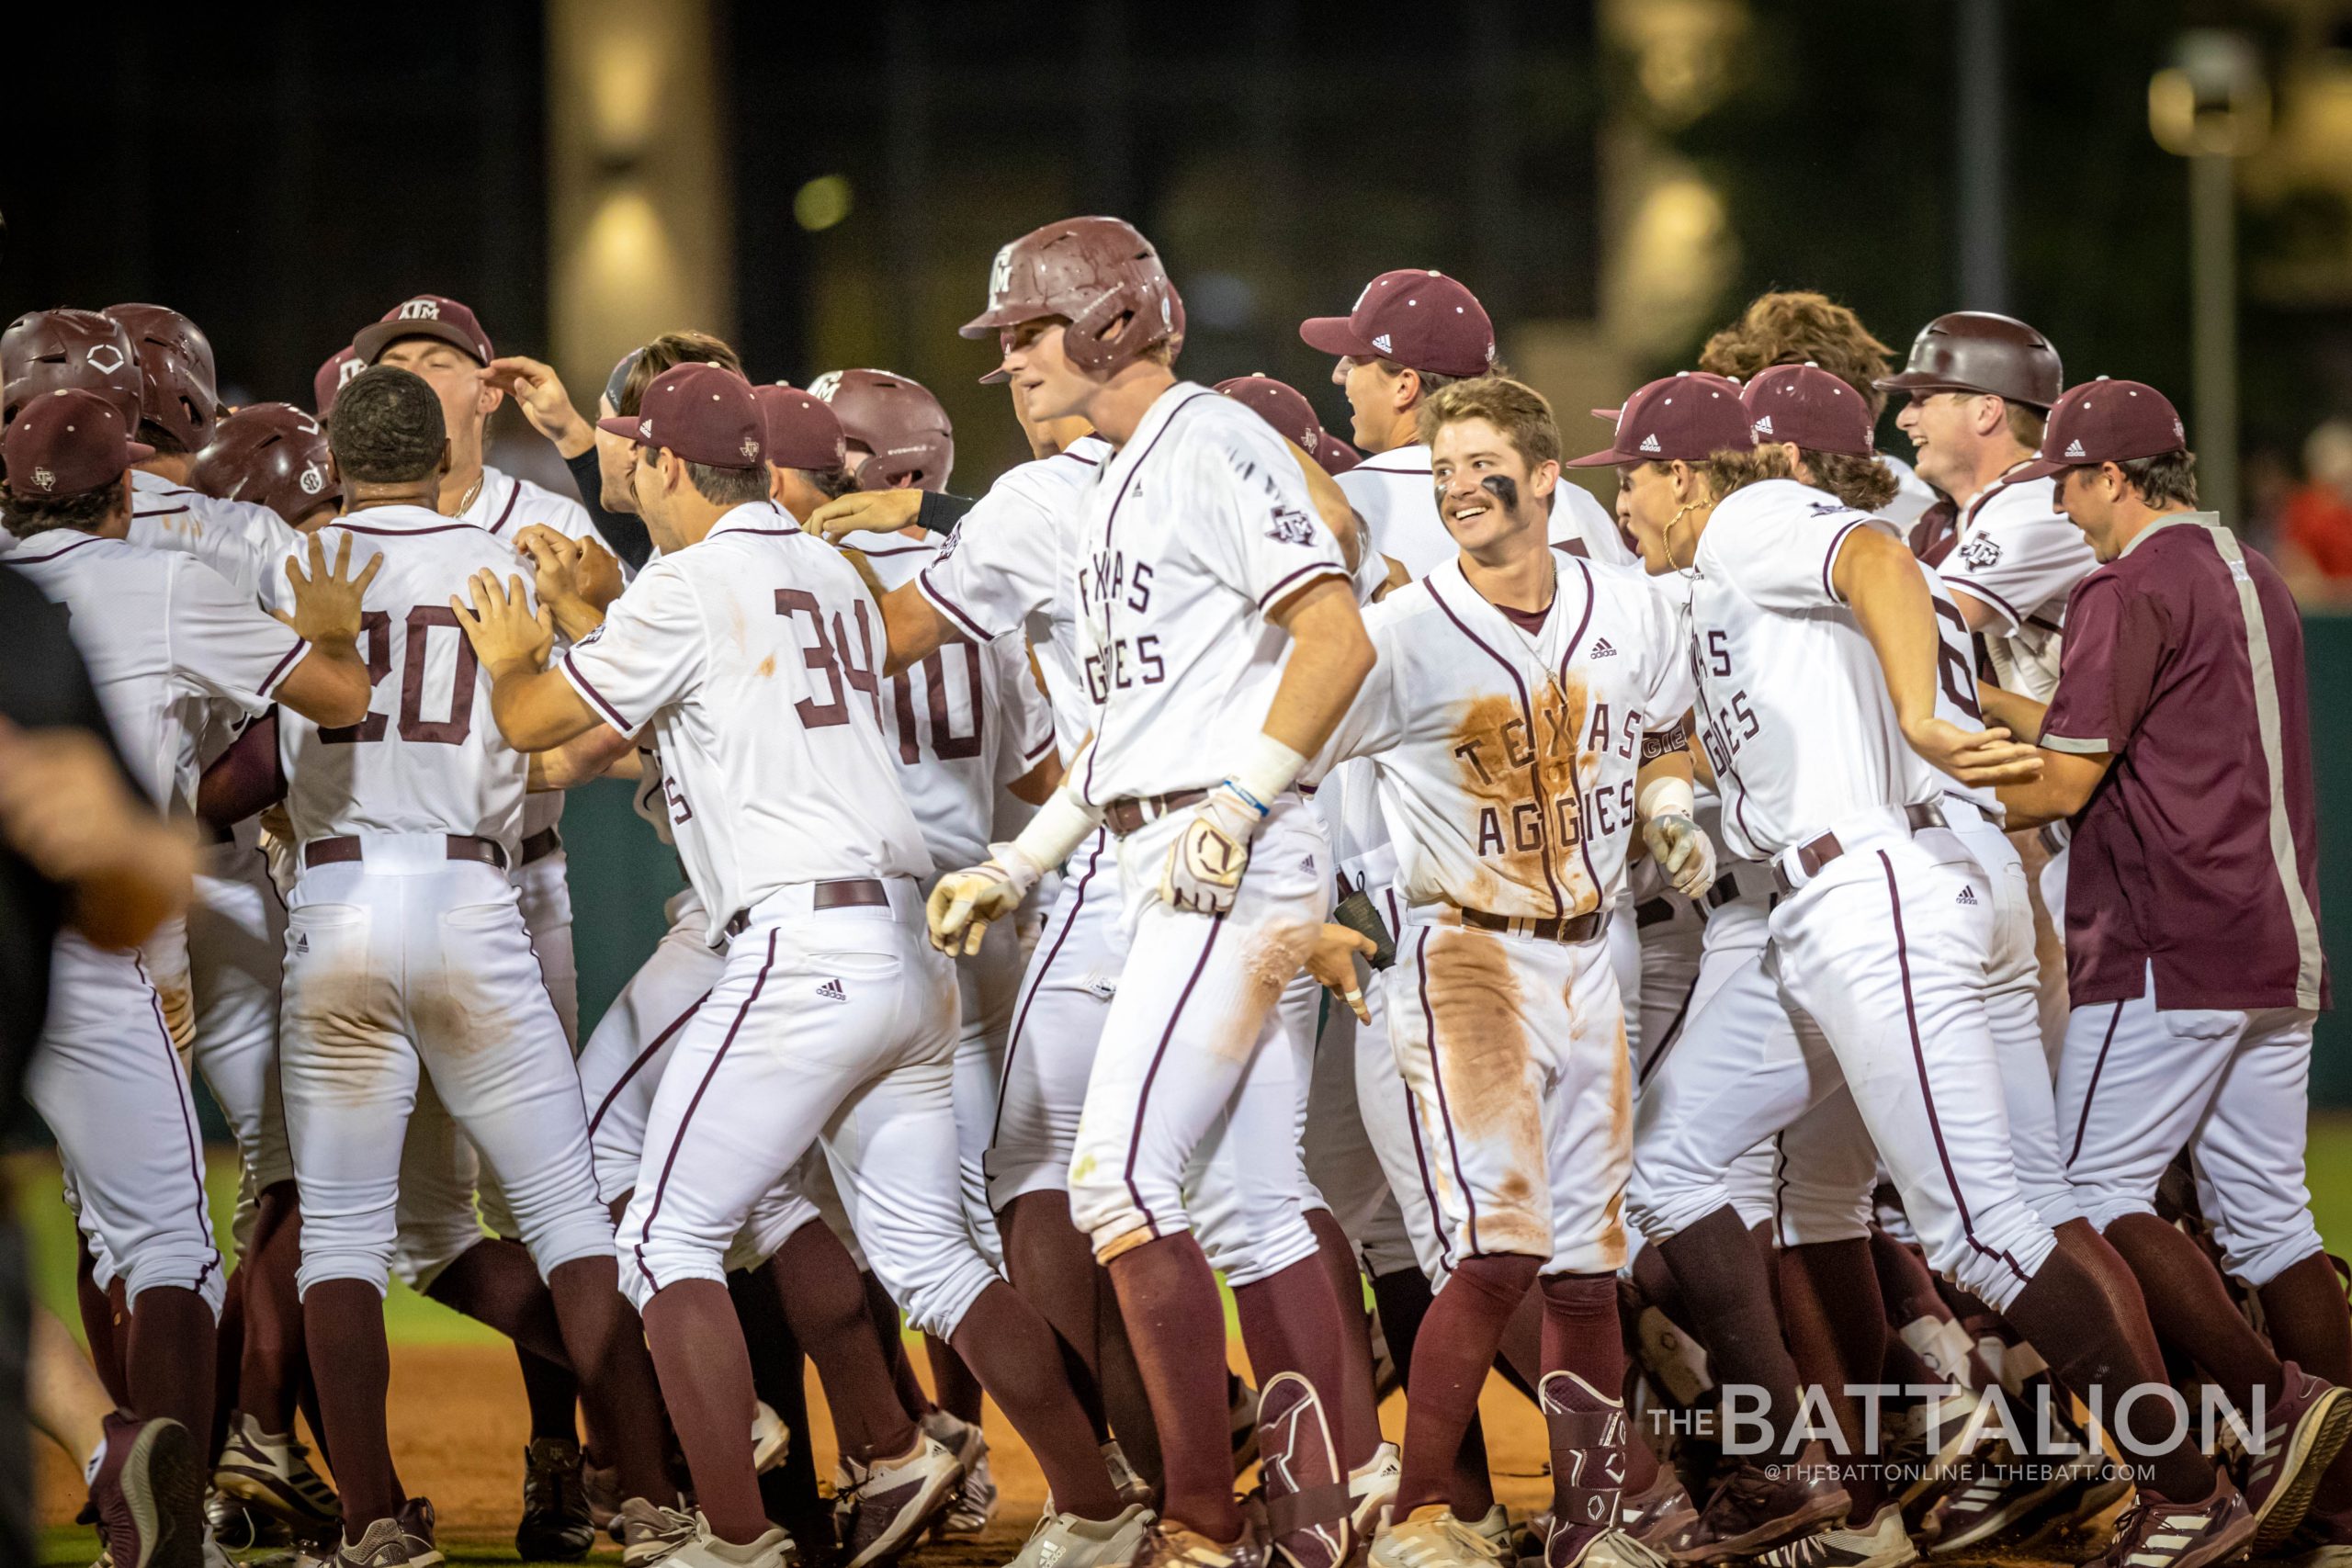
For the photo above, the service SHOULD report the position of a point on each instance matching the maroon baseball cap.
(342, 366)
(427, 315)
(1336, 456)
(803, 431)
(2106, 421)
(702, 412)
(1421, 320)
(67, 443)
(1689, 415)
(1283, 406)
(1807, 405)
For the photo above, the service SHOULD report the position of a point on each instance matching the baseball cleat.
(974, 1501)
(1065, 1540)
(240, 1528)
(1371, 1485)
(600, 1485)
(1167, 1545)
(896, 1501)
(556, 1525)
(1429, 1538)
(416, 1522)
(2001, 1493)
(1310, 1503)
(1580, 1546)
(1125, 1477)
(2153, 1533)
(1753, 1510)
(1956, 1424)
(1491, 1533)
(652, 1533)
(1657, 1513)
(2301, 1436)
(149, 1488)
(381, 1545)
(774, 1550)
(771, 1438)
(1882, 1543)
(273, 1473)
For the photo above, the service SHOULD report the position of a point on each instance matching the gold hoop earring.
(1681, 512)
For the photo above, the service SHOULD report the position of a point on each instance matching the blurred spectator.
(2314, 546)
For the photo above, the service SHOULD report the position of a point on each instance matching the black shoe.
(2155, 1533)
(556, 1526)
(1753, 1510)
(150, 1493)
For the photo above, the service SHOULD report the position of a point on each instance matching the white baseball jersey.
(961, 723)
(244, 543)
(1913, 495)
(1395, 494)
(1506, 758)
(506, 506)
(1956, 694)
(1198, 527)
(1792, 706)
(752, 655)
(2020, 557)
(1004, 570)
(427, 759)
(168, 643)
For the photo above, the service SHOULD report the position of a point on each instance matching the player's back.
(427, 759)
(244, 543)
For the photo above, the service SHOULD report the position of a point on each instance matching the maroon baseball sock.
(1836, 1323)
(1357, 1427)
(779, 1376)
(1005, 1340)
(2191, 1309)
(553, 1396)
(271, 1367)
(890, 1327)
(2098, 1353)
(1728, 1292)
(228, 1352)
(494, 1282)
(1053, 1266)
(1450, 1360)
(954, 1388)
(168, 1356)
(1520, 1358)
(1291, 1323)
(1167, 1296)
(2303, 1306)
(707, 1382)
(1587, 1435)
(1474, 1480)
(343, 1324)
(826, 1304)
(103, 1326)
(615, 1375)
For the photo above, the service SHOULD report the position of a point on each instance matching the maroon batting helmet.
(1100, 274)
(328, 380)
(895, 419)
(47, 349)
(179, 392)
(1977, 351)
(271, 454)
(1281, 405)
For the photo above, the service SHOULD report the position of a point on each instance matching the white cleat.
(1882, 1543)
(1065, 1540)
(771, 1438)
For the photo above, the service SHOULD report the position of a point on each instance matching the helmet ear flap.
(1123, 323)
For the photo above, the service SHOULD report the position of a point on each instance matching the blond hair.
(1512, 407)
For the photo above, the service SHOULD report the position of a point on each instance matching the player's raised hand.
(538, 391)
(1682, 850)
(1974, 756)
(1332, 962)
(964, 904)
(507, 632)
(864, 511)
(326, 603)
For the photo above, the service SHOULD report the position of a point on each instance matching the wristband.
(1059, 827)
(1265, 771)
(1668, 796)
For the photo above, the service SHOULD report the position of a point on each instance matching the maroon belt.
(461, 846)
(848, 893)
(1815, 853)
(1572, 930)
(1127, 814)
(541, 844)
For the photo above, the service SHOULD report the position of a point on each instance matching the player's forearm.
(1330, 655)
(1665, 783)
(575, 616)
(1881, 582)
(536, 710)
(2064, 787)
(1338, 512)
(2013, 711)
(914, 628)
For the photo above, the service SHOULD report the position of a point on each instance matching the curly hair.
(1863, 483)
(1797, 327)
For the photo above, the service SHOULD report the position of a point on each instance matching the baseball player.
(405, 956)
(831, 1021)
(1814, 642)
(1202, 719)
(2177, 740)
(270, 455)
(895, 434)
(1525, 718)
(167, 642)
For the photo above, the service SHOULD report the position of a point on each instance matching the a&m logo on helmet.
(313, 479)
(106, 359)
(1000, 280)
(421, 310)
(825, 386)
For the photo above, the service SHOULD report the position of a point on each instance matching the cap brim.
(1608, 459)
(137, 451)
(996, 377)
(1332, 335)
(1612, 415)
(628, 427)
(2037, 471)
(371, 340)
(1921, 381)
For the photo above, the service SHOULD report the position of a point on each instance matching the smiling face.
(456, 378)
(1949, 431)
(1044, 379)
(1487, 496)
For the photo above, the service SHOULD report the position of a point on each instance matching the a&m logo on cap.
(421, 310)
(999, 279)
(751, 447)
(44, 478)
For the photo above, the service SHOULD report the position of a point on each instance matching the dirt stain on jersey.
(766, 667)
(1521, 771)
(1480, 1052)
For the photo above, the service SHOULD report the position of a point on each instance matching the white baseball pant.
(544, 894)
(2139, 1083)
(236, 952)
(401, 965)
(621, 1065)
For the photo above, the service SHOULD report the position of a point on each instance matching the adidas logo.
(1602, 649)
(301, 942)
(1649, 443)
(2075, 449)
(1764, 425)
(831, 991)
(1381, 343)
(1967, 895)
(1049, 1553)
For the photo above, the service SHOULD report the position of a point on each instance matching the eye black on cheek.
(1504, 487)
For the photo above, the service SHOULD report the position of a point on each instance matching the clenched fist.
(964, 904)
(1682, 850)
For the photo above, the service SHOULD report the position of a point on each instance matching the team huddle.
(1217, 850)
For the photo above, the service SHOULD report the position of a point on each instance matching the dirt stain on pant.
(1481, 1055)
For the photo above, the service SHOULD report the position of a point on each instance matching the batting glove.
(963, 904)
(1205, 863)
(1682, 850)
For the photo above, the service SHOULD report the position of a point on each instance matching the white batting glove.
(1682, 850)
(1205, 863)
(964, 904)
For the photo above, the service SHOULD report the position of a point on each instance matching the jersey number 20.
(375, 630)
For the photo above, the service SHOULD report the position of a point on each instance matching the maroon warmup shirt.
(2199, 852)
